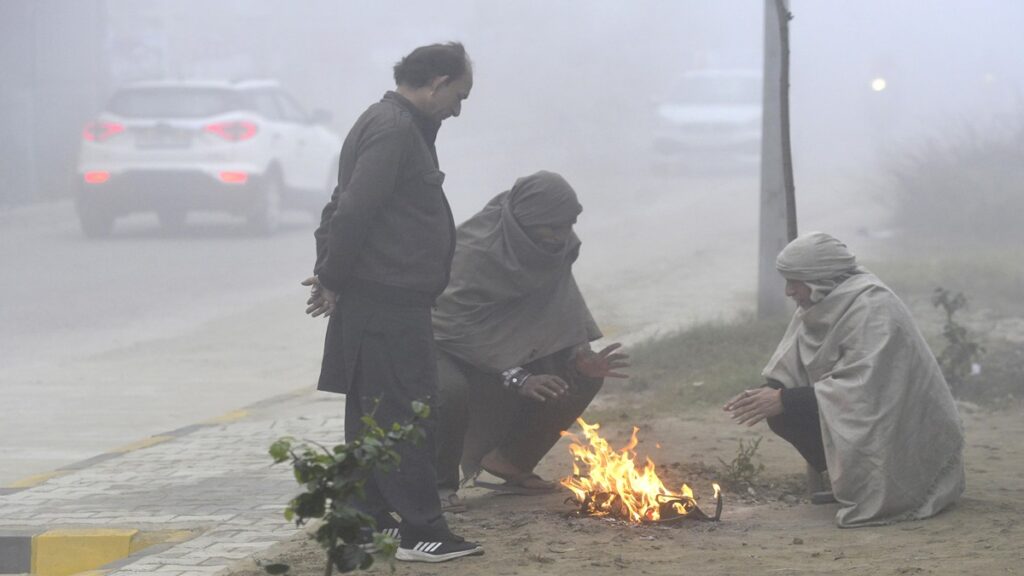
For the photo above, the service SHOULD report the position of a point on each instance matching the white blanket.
(892, 435)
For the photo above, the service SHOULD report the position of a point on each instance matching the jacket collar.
(427, 125)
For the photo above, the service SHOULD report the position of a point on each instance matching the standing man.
(384, 254)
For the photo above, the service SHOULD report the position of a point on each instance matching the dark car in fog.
(174, 147)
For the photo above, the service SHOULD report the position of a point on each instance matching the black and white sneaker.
(443, 549)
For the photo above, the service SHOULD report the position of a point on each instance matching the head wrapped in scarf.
(511, 301)
(543, 199)
(818, 260)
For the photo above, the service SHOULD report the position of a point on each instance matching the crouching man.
(515, 366)
(856, 390)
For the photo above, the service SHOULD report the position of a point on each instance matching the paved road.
(105, 342)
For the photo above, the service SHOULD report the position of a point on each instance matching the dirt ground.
(770, 528)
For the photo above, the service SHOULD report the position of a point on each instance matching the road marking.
(37, 479)
(233, 416)
(144, 443)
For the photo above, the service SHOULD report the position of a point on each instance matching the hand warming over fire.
(751, 406)
(603, 364)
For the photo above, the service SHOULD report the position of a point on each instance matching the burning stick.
(614, 486)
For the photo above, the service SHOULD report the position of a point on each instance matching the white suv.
(711, 121)
(172, 147)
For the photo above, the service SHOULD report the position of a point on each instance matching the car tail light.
(234, 177)
(232, 131)
(97, 177)
(100, 131)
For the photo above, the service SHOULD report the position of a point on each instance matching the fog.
(568, 86)
(571, 87)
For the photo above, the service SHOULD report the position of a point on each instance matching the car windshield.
(173, 102)
(718, 89)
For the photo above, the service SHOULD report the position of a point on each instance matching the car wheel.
(265, 216)
(96, 222)
(172, 220)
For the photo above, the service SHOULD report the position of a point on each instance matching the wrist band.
(514, 378)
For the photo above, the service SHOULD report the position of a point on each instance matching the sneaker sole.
(407, 555)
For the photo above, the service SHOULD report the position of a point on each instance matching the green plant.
(961, 352)
(743, 469)
(333, 478)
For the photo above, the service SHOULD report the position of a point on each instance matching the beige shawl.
(892, 435)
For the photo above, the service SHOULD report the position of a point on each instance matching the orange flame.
(631, 493)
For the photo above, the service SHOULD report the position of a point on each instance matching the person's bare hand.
(603, 364)
(751, 406)
(541, 387)
(322, 300)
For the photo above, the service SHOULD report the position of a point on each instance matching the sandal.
(523, 483)
(451, 502)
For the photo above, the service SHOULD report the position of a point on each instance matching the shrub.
(333, 478)
(968, 188)
(745, 467)
(961, 354)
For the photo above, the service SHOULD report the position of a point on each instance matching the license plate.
(163, 137)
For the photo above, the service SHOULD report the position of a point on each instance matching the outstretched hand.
(751, 406)
(322, 301)
(603, 364)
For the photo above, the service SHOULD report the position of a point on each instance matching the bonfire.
(614, 486)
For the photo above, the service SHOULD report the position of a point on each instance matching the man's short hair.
(428, 62)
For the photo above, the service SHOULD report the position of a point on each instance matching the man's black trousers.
(395, 364)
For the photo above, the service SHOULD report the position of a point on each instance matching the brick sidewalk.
(213, 481)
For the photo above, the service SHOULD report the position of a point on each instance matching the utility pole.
(778, 203)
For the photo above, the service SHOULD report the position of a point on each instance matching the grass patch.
(702, 365)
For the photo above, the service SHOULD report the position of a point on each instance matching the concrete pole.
(778, 205)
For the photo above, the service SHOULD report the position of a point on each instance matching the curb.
(93, 551)
(64, 552)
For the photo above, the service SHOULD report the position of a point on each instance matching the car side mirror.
(320, 116)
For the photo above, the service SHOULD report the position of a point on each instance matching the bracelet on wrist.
(514, 378)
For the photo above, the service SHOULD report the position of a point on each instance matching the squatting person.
(514, 333)
(855, 388)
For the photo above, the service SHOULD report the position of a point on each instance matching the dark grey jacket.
(388, 222)
(387, 236)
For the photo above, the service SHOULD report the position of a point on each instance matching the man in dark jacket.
(384, 253)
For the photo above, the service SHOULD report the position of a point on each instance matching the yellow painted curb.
(233, 416)
(80, 552)
(36, 480)
(66, 552)
(144, 443)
